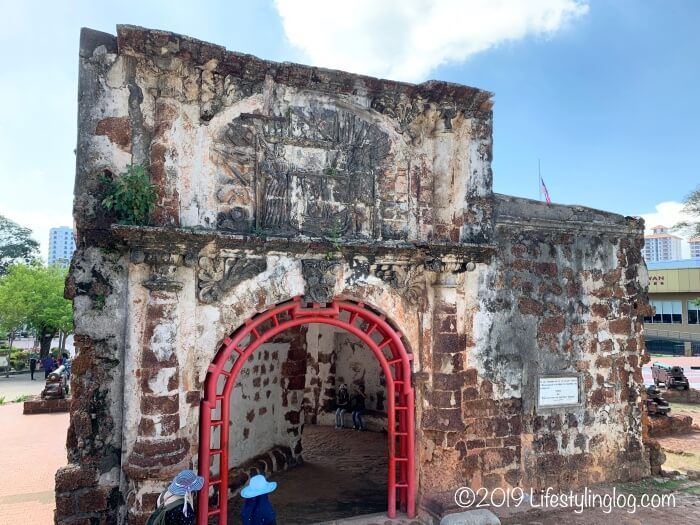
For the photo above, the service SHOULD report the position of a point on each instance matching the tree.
(691, 207)
(16, 245)
(33, 294)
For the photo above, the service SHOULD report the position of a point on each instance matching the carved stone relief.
(312, 171)
(217, 275)
(163, 267)
(320, 278)
(409, 279)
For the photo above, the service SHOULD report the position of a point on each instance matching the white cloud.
(668, 214)
(406, 39)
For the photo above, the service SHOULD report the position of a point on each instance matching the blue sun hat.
(185, 482)
(258, 486)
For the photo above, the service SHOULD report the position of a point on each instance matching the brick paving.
(33, 448)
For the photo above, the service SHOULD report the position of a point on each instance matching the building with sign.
(674, 286)
(661, 245)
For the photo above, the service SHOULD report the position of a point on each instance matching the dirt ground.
(344, 474)
(683, 451)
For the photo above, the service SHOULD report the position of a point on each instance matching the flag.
(543, 189)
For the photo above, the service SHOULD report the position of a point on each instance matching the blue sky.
(605, 93)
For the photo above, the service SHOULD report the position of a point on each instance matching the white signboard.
(3, 362)
(558, 391)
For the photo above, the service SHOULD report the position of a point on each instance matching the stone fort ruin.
(314, 227)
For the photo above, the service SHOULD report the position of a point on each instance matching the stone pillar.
(158, 452)
(687, 349)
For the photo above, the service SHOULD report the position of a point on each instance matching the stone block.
(73, 477)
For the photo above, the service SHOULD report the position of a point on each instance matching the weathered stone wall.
(90, 486)
(338, 357)
(566, 296)
(277, 181)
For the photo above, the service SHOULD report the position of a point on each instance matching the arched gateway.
(276, 180)
(359, 320)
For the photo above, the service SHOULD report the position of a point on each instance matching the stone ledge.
(46, 406)
(528, 213)
(187, 241)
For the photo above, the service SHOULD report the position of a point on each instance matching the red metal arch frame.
(372, 329)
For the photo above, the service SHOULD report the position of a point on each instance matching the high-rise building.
(661, 245)
(61, 245)
(694, 247)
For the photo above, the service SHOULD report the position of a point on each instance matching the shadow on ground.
(344, 474)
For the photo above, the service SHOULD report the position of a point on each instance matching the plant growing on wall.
(131, 195)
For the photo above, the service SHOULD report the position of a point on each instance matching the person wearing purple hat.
(174, 506)
(257, 509)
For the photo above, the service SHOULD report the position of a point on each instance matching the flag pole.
(539, 181)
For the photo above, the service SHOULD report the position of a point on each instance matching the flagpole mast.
(539, 181)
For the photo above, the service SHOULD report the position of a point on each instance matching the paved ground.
(33, 448)
(20, 385)
(29, 342)
(684, 508)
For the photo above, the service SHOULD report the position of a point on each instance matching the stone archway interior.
(370, 328)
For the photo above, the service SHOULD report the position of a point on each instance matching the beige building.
(674, 286)
(661, 245)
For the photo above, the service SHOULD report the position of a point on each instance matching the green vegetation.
(131, 195)
(681, 461)
(16, 245)
(17, 357)
(33, 295)
(692, 208)
(333, 235)
(22, 398)
(99, 302)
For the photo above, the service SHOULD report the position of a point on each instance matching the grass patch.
(681, 461)
(684, 407)
(667, 484)
(22, 398)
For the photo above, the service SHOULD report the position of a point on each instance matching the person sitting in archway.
(174, 506)
(257, 509)
(358, 407)
(342, 404)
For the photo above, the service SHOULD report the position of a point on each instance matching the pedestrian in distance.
(32, 367)
(174, 506)
(47, 363)
(257, 509)
(342, 404)
(67, 365)
(358, 407)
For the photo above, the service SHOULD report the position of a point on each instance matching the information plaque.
(555, 391)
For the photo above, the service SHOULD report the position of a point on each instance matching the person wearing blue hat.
(174, 506)
(257, 509)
